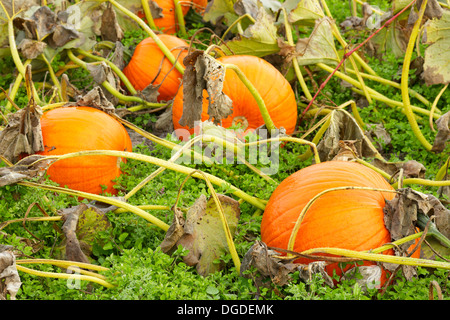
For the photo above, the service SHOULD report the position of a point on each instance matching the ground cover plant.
(213, 138)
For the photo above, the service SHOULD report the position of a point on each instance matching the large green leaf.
(437, 64)
(259, 39)
(319, 47)
(202, 232)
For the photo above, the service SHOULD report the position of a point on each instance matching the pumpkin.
(148, 65)
(274, 89)
(73, 129)
(168, 22)
(347, 219)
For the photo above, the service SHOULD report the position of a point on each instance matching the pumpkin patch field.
(224, 150)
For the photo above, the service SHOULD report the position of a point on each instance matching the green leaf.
(305, 11)
(319, 47)
(219, 9)
(259, 39)
(202, 232)
(437, 65)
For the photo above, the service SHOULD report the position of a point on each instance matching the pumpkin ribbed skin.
(73, 129)
(274, 89)
(347, 219)
(145, 65)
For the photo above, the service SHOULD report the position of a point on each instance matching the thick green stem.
(148, 14)
(297, 70)
(162, 163)
(100, 198)
(261, 104)
(64, 276)
(235, 22)
(423, 182)
(15, 55)
(119, 72)
(404, 80)
(396, 85)
(375, 94)
(442, 172)
(53, 76)
(343, 43)
(433, 106)
(158, 41)
(123, 98)
(380, 257)
(180, 17)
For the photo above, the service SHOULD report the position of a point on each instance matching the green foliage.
(130, 249)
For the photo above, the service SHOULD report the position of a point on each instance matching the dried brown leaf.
(203, 72)
(344, 134)
(22, 134)
(443, 134)
(9, 277)
(110, 28)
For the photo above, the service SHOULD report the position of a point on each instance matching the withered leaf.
(268, 263)
(81, 225)
(31, 49)
(265, 260)
(62, 35)
(26, 168)
(96, 98)
(343, 127)
(443, 134)
(411, 168)
(9, 277)
(110, 28)
(202, 233)
(73, 249)
(203, 72)
(407, 204)
(22, 133)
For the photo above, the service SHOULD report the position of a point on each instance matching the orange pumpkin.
(168, 22)
(347, 219)
(149, 65)
(274, 89)
(74, 129)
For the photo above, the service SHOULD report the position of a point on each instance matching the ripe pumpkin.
(168, 23)
(73, 129)
(274, 89)
(347, 219)
(145, 66)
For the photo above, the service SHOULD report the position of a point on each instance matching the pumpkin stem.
(297, 70)
(15, 55)
(180, 17)
(375, 94)
(262, 106)
(109, 200)
(152, 34)
(113, 90)
(226, 228)
(156, 161)
(361, 255)
(148, 14)
(404, 80)
(91, 277)
(117, 70)
(237, 21)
